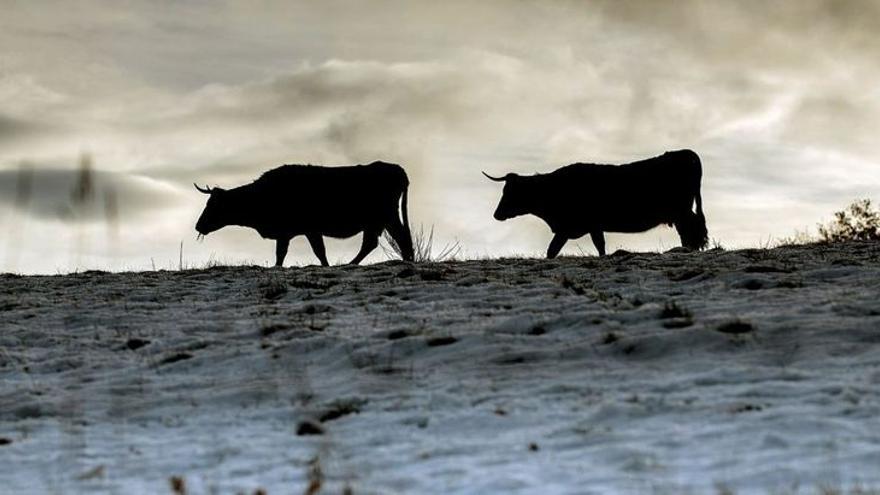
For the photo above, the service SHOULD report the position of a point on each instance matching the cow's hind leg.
(556, 244)
(281, 246)
(370, 242)
(598, 238)
(317, 243)
(401, 236)
(692, 231)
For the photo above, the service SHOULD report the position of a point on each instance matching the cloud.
(342, 112)
(835, 120)
(69, 195)
(12, 129)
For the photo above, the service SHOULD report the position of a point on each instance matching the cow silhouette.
(584, 198)
(316, 201)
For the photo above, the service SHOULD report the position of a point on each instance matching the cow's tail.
(691, 225)
(403, 209)
(406, 250)
(700, 234)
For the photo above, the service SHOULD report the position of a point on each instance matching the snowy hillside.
(753, 371)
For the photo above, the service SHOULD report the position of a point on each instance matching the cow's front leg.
(599, 241)
(371, 240)
(556, 244)
(317, 243)
(281, 251)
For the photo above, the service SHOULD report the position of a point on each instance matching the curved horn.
(496, 179)
(206, 190)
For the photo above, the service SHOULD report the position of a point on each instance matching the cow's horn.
(206, 190)
(496, 179)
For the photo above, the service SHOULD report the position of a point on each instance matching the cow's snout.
(204, 227)
(499, 215)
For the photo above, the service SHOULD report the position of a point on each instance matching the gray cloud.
(14, 129)
(348, 112)
(58, 194)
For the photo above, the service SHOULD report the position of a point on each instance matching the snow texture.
(752, 371)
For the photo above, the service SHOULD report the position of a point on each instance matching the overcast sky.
(780, 99)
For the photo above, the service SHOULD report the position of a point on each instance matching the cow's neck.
(545, 213)
(545, 207)
(246, 213)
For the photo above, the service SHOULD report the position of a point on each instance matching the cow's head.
(216, 213)
(515, 199)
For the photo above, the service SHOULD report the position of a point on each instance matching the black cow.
(593, 199)
(314, 201)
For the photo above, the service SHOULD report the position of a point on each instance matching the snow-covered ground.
(754, 371)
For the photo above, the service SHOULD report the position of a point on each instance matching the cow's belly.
(631, 226)
(632, 215)
(338, 217)
(631, 222)
(342, 226)
(341, 232)
(575, 227)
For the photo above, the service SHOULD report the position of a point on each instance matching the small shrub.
(538, 330)
(180, 356)
(340, 408)
(675, 316)
(273, 329)
(135, 343)
(672, 310)
(735, 327)
(860, 221)
(572, 285)
(178, 485)
(441, 341)
(272, 288)
(610, 338)
(398, 334)
(309, 427)
(316, 477)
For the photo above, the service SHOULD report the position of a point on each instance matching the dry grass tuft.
(423, 247)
